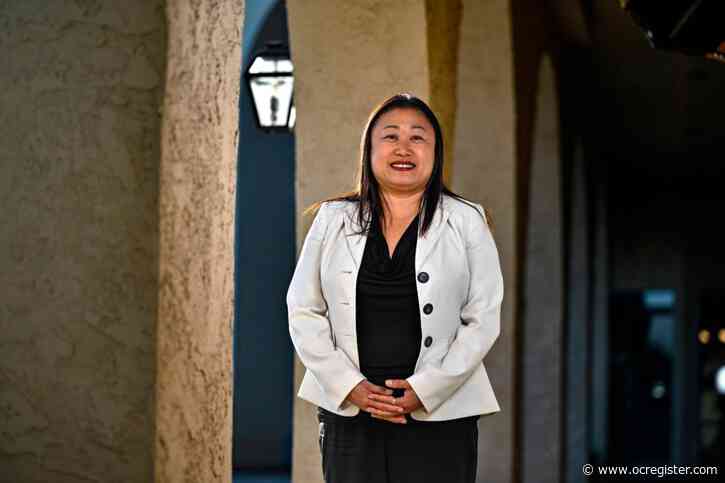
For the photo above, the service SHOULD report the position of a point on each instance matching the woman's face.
(403, 150)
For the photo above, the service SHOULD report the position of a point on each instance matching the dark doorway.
(642, 334)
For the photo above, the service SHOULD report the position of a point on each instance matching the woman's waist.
(379, 374)
(393, 371)
(323, 415)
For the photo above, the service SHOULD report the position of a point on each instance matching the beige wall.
(459, 57)
(485, 170)
(443, 24)
(104, 236)
(376, 54)
(80, 88)
(335, 88)
(197, 187)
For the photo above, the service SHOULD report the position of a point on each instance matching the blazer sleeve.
(480, 320)
(309, 325)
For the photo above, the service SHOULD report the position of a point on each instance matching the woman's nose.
(403, 147)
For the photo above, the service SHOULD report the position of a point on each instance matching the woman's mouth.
(402, 166)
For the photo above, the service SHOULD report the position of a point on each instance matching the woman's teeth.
(403, 165)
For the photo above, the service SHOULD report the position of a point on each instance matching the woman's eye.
(418, 138)
(390, 136)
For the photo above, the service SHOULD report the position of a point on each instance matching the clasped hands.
(380, 403)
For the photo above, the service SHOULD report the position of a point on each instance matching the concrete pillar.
(578, 326)
(380, 48)
(485, 170)
(196, 249)
(443, 21)
(81, 84)
(104, 240)
(541, 405)
(600, 314)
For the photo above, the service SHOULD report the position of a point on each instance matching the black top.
(388, 317)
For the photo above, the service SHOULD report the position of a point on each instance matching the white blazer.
(463, 285)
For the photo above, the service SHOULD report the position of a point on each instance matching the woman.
(393, 305)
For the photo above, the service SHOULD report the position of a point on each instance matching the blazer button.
(423, 277)
(427, 309)
(428, 341)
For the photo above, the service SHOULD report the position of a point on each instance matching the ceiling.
(661, 110)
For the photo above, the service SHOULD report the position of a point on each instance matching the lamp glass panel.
(270, 65)
(272, 97)
(292, 117)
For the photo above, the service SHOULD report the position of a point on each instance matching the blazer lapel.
(355, 241)
(428, 241)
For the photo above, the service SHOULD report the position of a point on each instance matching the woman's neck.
(401, 207)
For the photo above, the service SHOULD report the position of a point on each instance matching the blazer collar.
(424, 244)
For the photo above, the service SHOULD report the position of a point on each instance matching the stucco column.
(196, 249)
(348, 57)
(542, 317)
(578, 325)
(486, 170)
(81, 84)
(600, 359)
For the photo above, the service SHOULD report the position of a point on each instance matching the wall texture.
(443, 25)
(459, 57)
(486, 171)
(542, 316)
(81, 83)
(197, 188)
(376, 54)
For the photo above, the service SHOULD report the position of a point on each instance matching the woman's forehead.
(402, 116)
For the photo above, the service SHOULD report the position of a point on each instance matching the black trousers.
(364, 449)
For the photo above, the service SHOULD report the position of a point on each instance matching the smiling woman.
(403, 143)
(393, 305)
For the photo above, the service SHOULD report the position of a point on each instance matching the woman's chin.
(403, 186)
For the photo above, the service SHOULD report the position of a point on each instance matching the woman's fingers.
(388, 402)
(374, 388)
(381, 406)
(392, 419)
(380, 412)
(397, 383)
(385, 399)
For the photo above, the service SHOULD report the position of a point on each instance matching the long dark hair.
(367, 191)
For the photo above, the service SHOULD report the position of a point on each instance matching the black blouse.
(388, 317)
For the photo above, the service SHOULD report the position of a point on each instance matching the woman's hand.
(408, 403)
(361, 396)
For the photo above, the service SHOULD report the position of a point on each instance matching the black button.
(423, 277)
(427, 309)
(428, 341)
